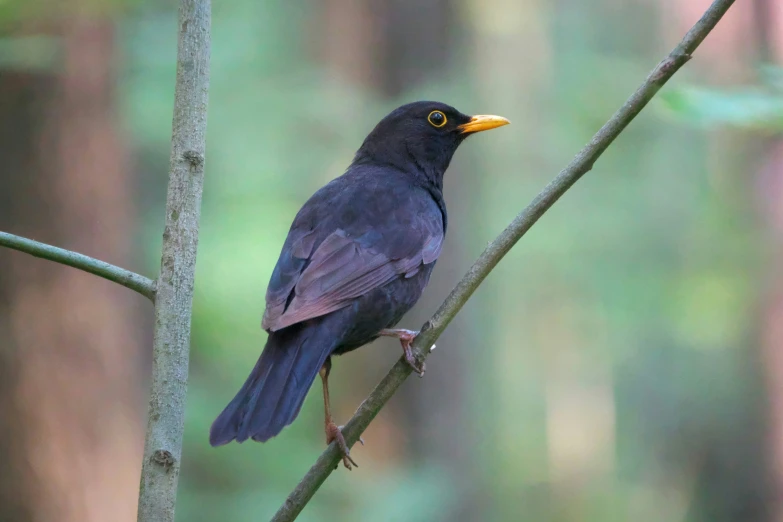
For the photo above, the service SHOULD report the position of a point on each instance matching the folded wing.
(312, 280)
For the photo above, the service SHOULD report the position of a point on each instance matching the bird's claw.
(419, 368)
(334, 433)
(406, 338)
(361, 440)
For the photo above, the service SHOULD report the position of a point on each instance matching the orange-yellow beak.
(482, 122)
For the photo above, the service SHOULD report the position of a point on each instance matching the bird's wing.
(311, 281)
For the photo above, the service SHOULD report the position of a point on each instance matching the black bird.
(357, 257)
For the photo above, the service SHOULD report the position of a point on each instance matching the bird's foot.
(334, 433)
(406, 338)
(361, 439)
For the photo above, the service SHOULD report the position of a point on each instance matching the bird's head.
(421, 137)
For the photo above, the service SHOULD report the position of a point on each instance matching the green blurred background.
(624, 362)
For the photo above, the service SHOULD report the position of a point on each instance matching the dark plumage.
(358, 256)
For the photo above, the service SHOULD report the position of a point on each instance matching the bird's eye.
(437, 119)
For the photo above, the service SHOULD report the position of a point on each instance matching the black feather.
(273, 393)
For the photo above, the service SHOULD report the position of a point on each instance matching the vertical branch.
(174, 297)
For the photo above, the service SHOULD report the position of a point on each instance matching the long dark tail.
(274, 392)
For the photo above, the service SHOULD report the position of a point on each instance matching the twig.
(174, 299)
(580, 165)
(126, 278)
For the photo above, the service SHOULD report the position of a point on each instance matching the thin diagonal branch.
(432, 329)
(126, 278)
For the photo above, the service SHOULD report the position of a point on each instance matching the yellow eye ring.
(437, 119)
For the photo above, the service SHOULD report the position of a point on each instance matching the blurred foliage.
(31, 15)
(755, 107)
(606, 372)
(29, 53)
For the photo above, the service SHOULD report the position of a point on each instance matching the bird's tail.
(274, 392)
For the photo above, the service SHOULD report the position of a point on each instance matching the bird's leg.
(332, 430)
(406, 338)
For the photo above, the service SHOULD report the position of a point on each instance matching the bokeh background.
(624, 362)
